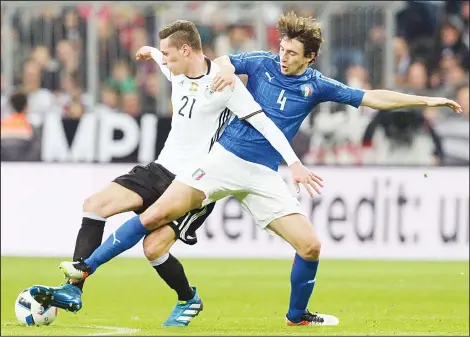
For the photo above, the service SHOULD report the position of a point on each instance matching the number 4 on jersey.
(281, 99)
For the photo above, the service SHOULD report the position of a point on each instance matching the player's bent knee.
(154, 217)
(158, 243)
(310, 250)
(162, 213)
(93, 205)
(154, 250)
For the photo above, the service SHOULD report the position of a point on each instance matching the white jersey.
(199, 115)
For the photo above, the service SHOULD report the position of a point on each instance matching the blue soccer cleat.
(184, 312)
(67, 297)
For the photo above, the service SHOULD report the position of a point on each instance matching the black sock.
(89, 238)
(172, 272)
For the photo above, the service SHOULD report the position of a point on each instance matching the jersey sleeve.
(240, 101)
(330, 90)
(158, 57)
(246, 63)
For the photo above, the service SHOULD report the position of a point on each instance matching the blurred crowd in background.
(430, 44)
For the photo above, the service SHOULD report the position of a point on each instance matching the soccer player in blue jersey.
(244, 164)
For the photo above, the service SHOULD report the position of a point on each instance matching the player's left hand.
(440, 101)
(302, 175)
(225, 77)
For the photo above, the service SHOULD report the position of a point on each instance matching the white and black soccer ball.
(29, 312)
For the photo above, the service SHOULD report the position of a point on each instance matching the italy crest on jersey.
(306, 89)
(198, 174)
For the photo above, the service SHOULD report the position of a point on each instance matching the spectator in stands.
(110, 97)
(450, 43)
(45, 29)
(374, 51)
(417, 82)
(465, 17)
(72, 87)
(402, 60)
(40, 101)
(20, 141)
(150, 93)
(141, 69)
(209, 52)
(49, 68)
(68, 58)
(4, 97)
(236, 39)
(451, 74)
(121, 78)
(358, 77)
(75, 109)
(130, 104)
(346, 41)
(75, 30)
(402, 137)
(109, 49)
(125, 18)
(417, 21)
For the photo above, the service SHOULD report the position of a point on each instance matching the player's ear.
(312, 58)
(185, 50)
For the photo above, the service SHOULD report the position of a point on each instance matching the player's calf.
(156, 247)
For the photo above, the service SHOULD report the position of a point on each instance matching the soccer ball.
(29, 312)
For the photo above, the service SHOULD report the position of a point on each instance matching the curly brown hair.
(182, 32)
(305, 30)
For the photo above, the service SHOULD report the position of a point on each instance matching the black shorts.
(150, 182)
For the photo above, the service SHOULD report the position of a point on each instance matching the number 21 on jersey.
(186, 99)
(281, 99)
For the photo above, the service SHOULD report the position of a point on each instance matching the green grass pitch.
(250, 297)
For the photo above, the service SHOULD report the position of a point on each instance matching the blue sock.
(125, 237)
(302, 279)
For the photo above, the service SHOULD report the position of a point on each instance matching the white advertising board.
(363, 213)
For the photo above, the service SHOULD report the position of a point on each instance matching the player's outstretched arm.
(387, 100)
(146, 53)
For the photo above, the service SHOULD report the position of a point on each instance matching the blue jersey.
(287, 100)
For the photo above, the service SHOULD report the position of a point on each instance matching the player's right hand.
(302, 175)
(144, 53)
(225, 77)
(441, 101)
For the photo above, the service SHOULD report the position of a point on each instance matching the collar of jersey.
(208, 70)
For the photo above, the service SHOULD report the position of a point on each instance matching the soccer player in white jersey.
(243, 164)
(199, 116)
